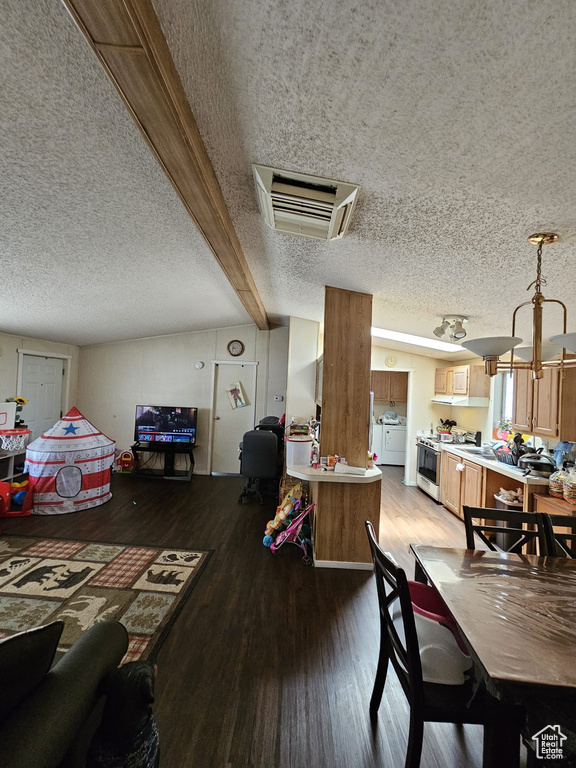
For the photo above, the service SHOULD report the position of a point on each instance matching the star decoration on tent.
(71, 429)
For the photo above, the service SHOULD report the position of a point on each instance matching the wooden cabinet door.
(450, 483)
(460, 381)
(522, 417)
(449, 381)
(440, 381)
(471, 493)
(545, 404)
(381, 386)
(399, 387)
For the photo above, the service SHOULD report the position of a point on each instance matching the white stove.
(428, 461)
(431, 441)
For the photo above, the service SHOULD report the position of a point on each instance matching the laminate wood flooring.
(270, 663)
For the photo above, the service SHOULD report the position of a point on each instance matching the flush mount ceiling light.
(455, 323)
(538, 356)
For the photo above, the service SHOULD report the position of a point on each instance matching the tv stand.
(168, 472)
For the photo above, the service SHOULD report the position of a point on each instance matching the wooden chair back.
(394, 599)
(560, 535)
(483, 523)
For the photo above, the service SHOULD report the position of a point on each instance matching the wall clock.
(390, 362)
(235, 347)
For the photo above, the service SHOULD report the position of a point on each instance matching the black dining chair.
(560, 535)
(506, 527)
(429, 702)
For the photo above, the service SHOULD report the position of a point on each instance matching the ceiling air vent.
(297, 204)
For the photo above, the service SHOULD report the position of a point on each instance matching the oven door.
(429, 464)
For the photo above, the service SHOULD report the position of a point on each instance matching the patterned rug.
(82, 582)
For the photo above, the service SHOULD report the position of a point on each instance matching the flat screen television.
(165, 424)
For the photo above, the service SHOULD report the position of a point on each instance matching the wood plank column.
(341, 508)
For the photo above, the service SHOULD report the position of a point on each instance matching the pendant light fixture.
(539, 356)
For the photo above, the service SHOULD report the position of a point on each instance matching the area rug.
(83, 582)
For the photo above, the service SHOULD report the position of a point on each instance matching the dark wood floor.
(270, 664)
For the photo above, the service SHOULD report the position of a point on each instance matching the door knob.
(216, 418)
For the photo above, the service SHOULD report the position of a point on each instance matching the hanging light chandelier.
(540, 355)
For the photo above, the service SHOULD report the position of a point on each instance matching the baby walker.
(292, 534)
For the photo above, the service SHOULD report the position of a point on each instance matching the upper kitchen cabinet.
(546, 407)
(390, 386)
(441, 381)
(466, 380)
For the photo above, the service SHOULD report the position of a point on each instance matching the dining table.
(517, 617)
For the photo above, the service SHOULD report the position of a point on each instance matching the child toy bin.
(14, 439)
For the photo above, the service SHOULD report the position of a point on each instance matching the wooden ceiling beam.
(127, 38)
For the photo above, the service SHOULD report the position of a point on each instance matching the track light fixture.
(453, 322)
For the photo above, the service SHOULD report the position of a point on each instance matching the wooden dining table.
(517, 616)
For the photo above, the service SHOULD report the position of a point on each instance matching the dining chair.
(510, 535)
(429, 702)
(560, 535)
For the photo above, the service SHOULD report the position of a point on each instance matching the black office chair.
(429, 702)
(510, 536)
(560, 535)
(259, 463)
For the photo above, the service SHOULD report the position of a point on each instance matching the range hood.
(461, 400)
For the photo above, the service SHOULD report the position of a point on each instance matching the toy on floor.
(4, 498)
(283, 513)
(125, 462)
(294, 535)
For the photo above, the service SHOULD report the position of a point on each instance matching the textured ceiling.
(457, 120)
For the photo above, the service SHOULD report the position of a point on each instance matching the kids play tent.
(69, 467)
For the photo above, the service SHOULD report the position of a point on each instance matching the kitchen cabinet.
(390, 386)
(460, 487)
(467, 380)
(545, 407)
(450, 483)
(460, 380)
(522, 407)
(472, 481)
(398, 387)
(440, 381)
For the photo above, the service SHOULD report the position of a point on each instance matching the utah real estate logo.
(549, 742)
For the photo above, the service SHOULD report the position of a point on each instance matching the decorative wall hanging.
(236, 395)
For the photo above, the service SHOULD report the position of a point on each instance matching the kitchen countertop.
(309, 473)
(494, 464)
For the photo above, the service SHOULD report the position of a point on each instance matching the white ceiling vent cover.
(297, 204)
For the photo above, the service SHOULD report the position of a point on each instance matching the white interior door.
(229, 422)
(42, 387)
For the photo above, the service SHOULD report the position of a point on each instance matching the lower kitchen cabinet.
(460, 486)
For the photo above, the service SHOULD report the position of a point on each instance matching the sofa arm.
(38, 733)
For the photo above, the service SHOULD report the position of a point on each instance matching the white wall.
(421, 413)
(302, 355)
(9, 346)
(114, 378)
